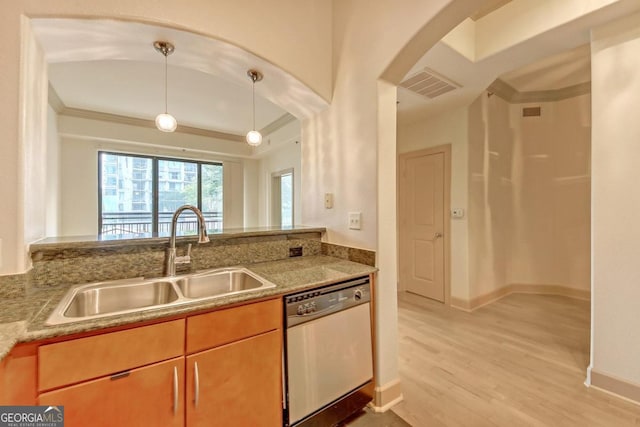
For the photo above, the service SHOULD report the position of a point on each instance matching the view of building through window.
(139, 194)
(286, 199)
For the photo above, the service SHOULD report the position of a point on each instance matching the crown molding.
(510, 94)
(59, 107)
(54, 100)
(133, 121)
(278, 123)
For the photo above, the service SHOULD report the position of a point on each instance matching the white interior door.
(422, 205)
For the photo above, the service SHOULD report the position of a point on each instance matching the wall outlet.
(328, 200)
(457, 213)
(355, 220)
(297, 251)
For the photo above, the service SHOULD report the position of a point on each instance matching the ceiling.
(136, 89)
(555, 58)
(109, 66)
(568, 68)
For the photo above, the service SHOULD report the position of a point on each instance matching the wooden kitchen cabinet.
(149, 396)
(18, 376)
(234, 366)
(134, 377)
(238, 384)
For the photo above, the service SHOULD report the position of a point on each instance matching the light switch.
(355, 219)
(457, 213)
(328, 200)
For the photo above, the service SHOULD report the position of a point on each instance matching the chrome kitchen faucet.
(172, 259)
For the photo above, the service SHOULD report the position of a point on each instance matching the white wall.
(52, 192)
(252, 193)
(551, 175)
(529, 194)
(82, 139)
(448, 128)
(490, 194)
(339, 153)
(33, 137)
(523, 182)
(616, 199)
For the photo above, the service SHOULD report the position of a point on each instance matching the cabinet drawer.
(224, 326)
(82, 359)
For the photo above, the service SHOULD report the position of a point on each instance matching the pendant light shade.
(165, 121)
(254, 138)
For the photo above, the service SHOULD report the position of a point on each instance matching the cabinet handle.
(119, 375)
(175, 390)
(196, 384)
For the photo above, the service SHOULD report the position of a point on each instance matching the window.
(282, 198)
(151, 189)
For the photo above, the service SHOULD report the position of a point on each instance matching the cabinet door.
(18, 376)
(239, 384)
(148, 396)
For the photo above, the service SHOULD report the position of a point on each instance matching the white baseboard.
(477, 302)
(616, 386)
(386, 396)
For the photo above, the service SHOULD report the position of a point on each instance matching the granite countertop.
(76, 242)
(23, 319)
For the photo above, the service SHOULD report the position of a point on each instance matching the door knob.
(437, 235)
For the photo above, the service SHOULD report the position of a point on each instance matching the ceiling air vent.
(429, 83)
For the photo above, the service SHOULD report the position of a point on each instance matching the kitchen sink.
(220, 282)
(95, 300)
(105, 298)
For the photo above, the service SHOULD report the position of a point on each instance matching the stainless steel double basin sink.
(95, 300)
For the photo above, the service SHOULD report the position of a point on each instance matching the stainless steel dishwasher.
(329, 369)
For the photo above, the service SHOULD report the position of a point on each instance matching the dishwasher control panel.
(315, 303)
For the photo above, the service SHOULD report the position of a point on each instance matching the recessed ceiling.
(136, 89)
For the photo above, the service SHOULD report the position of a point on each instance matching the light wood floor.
(520, 361)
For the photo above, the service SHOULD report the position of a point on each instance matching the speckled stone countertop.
(24, 319)
(75, 242)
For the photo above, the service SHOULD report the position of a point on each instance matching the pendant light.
(165, 121)
(254, 138)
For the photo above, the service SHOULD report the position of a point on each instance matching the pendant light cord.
(166, 109)
(253, 101)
